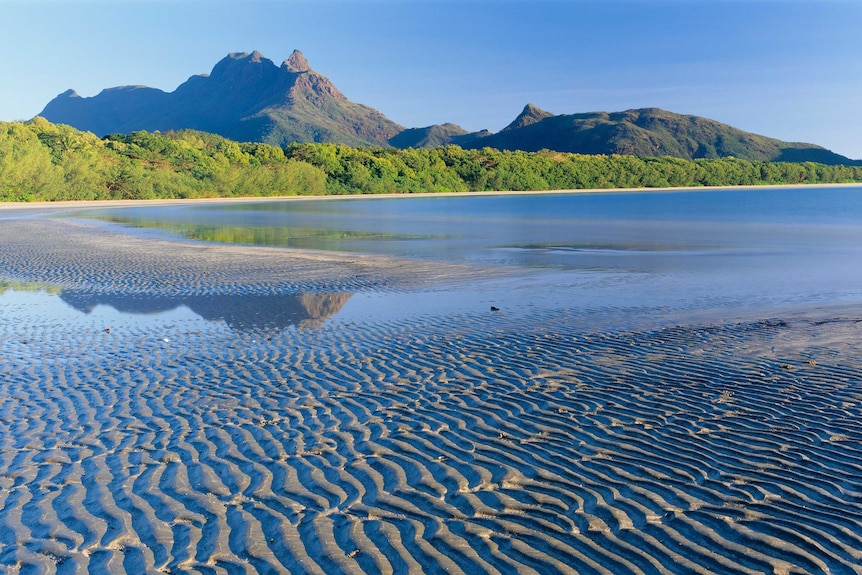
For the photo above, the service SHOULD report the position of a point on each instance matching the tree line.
(41, 161)
(453, 169)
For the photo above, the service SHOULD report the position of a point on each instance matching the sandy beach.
(466, 442)
(24, 207)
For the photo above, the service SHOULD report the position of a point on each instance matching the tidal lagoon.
(661, 382)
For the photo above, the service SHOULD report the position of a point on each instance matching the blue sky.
(783, 68)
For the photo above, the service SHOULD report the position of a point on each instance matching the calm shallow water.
(692, 250)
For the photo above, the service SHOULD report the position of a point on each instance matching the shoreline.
(76, 204)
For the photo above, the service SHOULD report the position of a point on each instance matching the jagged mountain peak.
(296, 63)
(529, 115)
(246, 97)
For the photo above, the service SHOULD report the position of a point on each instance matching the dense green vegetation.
(44, 161)
(452, 169)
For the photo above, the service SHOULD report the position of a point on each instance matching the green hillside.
(648, 132)
(651, 132)
(44, 161)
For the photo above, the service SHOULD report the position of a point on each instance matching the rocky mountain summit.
(246, 97)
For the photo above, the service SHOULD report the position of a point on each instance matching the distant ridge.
(645, 132)
(437, 135)
(247, 97)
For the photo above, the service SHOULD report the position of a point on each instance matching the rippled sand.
(473, 442)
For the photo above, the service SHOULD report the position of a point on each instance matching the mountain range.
(247, 97)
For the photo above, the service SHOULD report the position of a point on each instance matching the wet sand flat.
(98, 258)
(463, 442)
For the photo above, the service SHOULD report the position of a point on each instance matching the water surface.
(678, 249)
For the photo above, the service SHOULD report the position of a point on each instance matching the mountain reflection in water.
(239, 312)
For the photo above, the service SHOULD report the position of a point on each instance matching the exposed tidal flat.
(669, 383)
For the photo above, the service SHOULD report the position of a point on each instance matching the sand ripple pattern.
(469, 444)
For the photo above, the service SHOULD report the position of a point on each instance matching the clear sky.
(790, 69)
